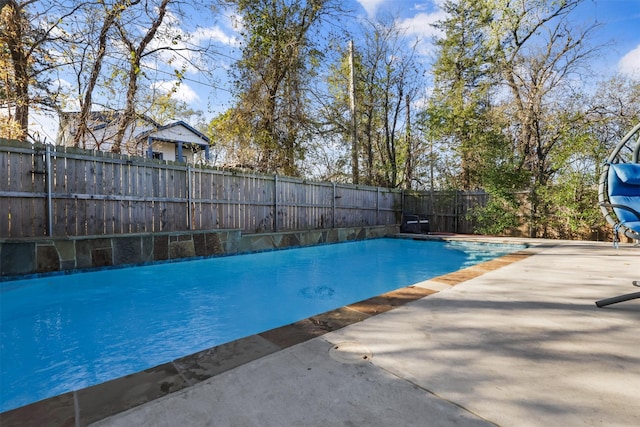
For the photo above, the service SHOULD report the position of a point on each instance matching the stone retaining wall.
(24, 257)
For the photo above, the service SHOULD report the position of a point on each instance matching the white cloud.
(421, 24)
(421, 27)
(215, 35)
(187, 44)
(182, 92)
(629, 65)
(370, 6)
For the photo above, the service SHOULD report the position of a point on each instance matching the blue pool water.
(66, 332)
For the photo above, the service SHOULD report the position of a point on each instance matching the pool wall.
(25, 257)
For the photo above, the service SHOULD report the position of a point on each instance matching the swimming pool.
(66, 332)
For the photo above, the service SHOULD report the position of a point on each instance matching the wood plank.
(99, 188)
(247, 209)
(112, 188)
(231, 212)
(196, 194)
(135, 207)
(159, 192)
(79, 186)
(221, 206)
(18, 184)
(205, 189)
(125, 206)
(5, 202)
(155, 205)
(39, 213)
(165, 191)
(226, 206)
(70, 204)
(213, 186)
(57, 186)
(90, 189)
(147, 185)
(26, 204)
(143, 205)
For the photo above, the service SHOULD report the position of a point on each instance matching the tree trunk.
(19, 60)
(86, 103)
(129, 115)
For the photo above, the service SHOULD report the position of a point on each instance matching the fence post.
(189, 199)
(377, 205)
(275, 204)
(457, 212)
(47, 160)
(333, 207)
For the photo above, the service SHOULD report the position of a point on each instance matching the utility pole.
(355, 172)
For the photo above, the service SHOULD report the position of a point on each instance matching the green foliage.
(499, 215)
(272, 77)
(460, 111)
(539, 136)
(575, 210)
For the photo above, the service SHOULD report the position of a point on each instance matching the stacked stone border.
(23, 258)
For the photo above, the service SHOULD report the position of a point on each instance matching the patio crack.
(439, 397)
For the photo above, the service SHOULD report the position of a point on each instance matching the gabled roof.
(175, 133)
(101, 119)
(160, 130)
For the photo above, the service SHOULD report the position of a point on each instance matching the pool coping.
(85, 406)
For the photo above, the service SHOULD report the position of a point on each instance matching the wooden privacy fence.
(448, 211)
(56, 191)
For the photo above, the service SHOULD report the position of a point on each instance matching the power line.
(42, 129)
(187, 79)
(168, 73)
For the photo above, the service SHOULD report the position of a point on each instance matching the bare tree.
(128, 59)
(272, 77)
(541, 55)
(110, 13)
(27, 31)
(137, 50)
(388, 80)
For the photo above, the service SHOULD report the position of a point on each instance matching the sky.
(619, 19)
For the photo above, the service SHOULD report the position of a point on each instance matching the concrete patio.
(521, 345)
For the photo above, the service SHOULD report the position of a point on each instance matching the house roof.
(172, 133)
(100, 119)
(176, 132)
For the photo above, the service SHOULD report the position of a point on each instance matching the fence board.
(5, 201)
(111, 188)
(142, 213)
(23, 176)
(99, 187)
(159, 205)
(38, 169)
(91, 189)
(16, 185)
(77, 187)
(58, 205)
(202, 191)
